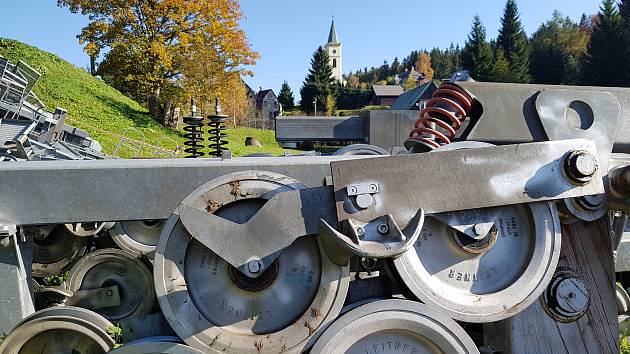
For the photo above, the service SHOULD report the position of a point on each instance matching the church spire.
(332, 37)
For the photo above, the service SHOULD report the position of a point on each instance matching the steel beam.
(53, 192)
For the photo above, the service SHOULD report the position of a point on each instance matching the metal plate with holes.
(392, 326)
(138, 237)
(489, 176)
(490, 285)
(55, 252)
(155, 348)
(214, 307)
(109, 267)
(570, 114)
(60, 331)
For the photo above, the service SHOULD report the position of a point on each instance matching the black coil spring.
(194, 137)
(217, 135)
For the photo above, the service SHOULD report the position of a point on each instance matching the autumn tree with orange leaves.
(162, 52)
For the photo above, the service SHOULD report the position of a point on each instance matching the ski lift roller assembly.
(496, 229)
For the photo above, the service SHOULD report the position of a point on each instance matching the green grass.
(105, 113)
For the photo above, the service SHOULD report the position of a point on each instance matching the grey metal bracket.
(575, 114)
(475, 223)
(445, 181)
(253, 246)
(380, 238)
(95, 299)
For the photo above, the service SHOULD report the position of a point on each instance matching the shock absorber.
(441, 119)
(217, 132)
(194, 133)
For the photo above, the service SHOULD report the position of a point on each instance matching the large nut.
(580, 166)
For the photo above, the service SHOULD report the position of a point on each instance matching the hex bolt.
(364, 201)
(580, 166)
(382, 228)
(352, 190)
(360, 230)
(373, 188)
(253, 266)
(109, 293)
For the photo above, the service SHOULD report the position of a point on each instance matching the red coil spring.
(447, 109)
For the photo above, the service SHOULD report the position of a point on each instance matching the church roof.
(332, 36)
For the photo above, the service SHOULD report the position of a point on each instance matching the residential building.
(267, 108)
(415, 99)
(385, 95)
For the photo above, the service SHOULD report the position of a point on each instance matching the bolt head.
(360, 231)
(382, 228)
(253, 266)
(580, 166)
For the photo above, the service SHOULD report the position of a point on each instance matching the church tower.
(333, 47)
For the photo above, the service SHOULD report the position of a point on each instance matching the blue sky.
(287, 32)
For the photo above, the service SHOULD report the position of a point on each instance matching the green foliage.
(477, 54)
(104, 112)
(56, 280)
(92, 105)
(514, 43)
(318, 84)
(501, 68)
(115, 332)
(348, 98)
(624, 346)
(557, 47)
(605, 60)
(285, 97)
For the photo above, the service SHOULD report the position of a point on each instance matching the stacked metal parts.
(473, 246)
(27, 130)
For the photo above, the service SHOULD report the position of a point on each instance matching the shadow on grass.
(141, 119)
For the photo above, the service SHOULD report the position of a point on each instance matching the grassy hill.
(107, 114)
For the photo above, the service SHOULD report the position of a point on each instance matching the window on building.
(334, 51)
(334, 63)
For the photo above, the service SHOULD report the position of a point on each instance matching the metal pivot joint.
(580, 166)
(567, 297)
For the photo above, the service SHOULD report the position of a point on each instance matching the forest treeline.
(591, 51)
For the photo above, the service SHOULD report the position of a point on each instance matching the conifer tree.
(501, 68)
(604, 62)
(318, 83)
(513, 41)
(477, 53)
(624, 11)
(285, 97)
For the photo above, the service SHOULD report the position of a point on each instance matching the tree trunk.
(155, 108)
(93, 65)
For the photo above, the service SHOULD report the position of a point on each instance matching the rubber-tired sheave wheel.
(116, 267)
(60, 330)
(54, 253)
(215, 308)
(138, 237)
(492, 279)
(394, 326)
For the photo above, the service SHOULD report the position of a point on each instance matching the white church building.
(333, 47)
